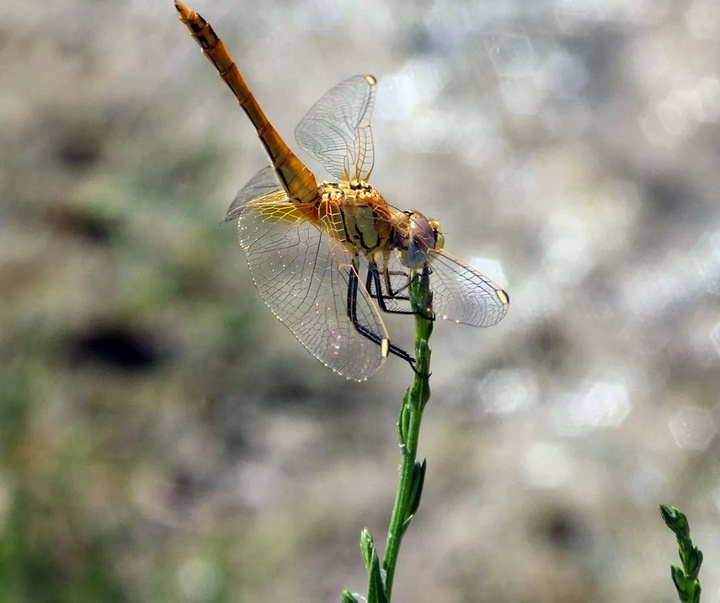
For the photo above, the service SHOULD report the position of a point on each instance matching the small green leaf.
(348, 597)
(404, 421)
(681, 524)
(667, 515)
(376, 588)
(416, 487)
(678, 578)
(676, 520)
(367, 546)
(692, 563)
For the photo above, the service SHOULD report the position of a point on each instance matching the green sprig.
(412, 473)
(685, 578)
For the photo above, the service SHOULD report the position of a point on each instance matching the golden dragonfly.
(327, 256)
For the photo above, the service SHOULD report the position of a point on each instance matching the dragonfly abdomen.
(296, 178)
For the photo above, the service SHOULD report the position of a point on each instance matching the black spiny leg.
(364, 330)
(374, 286)
(388, 284)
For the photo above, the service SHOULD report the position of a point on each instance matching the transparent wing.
(464, 295)
(303, 275)
(262, 184)
(336, 131)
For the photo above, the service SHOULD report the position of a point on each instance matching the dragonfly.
(330, 256)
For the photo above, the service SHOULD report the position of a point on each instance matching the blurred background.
(164, 438)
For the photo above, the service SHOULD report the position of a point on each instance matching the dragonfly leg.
(378, 295)
(364, 330)
(374, 286)
(388, 284)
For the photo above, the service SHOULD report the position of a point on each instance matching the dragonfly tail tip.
(184, 13)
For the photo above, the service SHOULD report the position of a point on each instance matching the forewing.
(336, 131)
(463, 294)
(303, 276)
(262, 184)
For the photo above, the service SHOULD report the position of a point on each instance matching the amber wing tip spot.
(371, 79)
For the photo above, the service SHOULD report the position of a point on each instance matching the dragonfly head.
(423, 236)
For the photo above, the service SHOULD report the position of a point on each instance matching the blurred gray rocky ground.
(163, 437)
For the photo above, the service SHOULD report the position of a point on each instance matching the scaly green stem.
(412, 473)
(685, 578)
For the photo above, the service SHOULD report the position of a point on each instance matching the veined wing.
(303, 276)
(263, 184)
(463, 294)
(336, 131)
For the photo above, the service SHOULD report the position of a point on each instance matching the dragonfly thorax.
(356, 214)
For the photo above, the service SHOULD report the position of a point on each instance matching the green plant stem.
(685, 578)
(409, 488)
